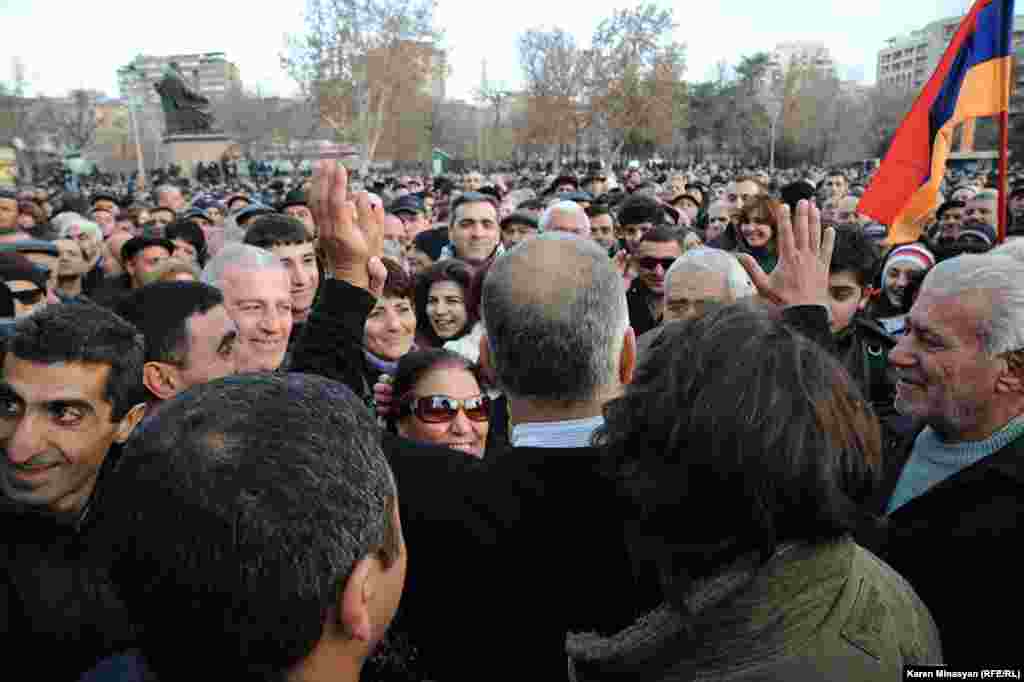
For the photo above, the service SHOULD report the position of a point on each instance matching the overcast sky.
(66, 45)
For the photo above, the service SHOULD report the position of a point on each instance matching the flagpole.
(1004, 140)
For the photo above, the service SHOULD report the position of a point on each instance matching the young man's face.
(142, 265)
(846, 296)
(602, 229)
(55, 431)
(300, 261)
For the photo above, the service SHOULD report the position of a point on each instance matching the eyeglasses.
(650, 263)
(440, 409)
(718, 219)
(28, 296)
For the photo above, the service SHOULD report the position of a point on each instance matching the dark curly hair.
(449, 270)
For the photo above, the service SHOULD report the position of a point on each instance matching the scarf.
(381, 366)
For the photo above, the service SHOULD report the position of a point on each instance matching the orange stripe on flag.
(975, 100)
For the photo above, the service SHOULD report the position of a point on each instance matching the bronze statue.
(184, 108)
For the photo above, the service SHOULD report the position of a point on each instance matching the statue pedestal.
(187, 150)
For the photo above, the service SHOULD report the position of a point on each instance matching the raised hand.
(351, 227)
(805, 254)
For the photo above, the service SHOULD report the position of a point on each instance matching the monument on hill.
(191, 133)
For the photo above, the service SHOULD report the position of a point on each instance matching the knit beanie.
(431, 241)
(914, 253)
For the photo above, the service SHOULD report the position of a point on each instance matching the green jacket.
(816, 612)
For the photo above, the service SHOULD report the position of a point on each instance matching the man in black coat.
(953, 494)
(71, 393)
(508, 555)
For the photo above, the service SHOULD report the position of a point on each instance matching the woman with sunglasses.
(442, 400)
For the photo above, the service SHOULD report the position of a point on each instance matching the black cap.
(109, 196)
(431, 242)
(30, 246)
(520, 218)
(409, 203)
(562, 180)
(15, 268)
(685, 196)
(296, 197)
(133, 246)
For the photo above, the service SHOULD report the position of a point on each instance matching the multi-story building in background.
(799, 54)
(908, 61)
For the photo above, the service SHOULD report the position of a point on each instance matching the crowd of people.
(662, 424)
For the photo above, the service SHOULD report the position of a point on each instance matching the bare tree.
(295, 126)
(635, 76)
(359, 59)
(72, 120)
(248, 117)
(555, 73)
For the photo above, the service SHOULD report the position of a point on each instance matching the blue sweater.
(933, 460)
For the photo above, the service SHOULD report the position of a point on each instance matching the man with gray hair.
(169, 196)
(257, 295)
(566, 216)
(954, 495)
(559, 343)
(702, 276)
(526, 519)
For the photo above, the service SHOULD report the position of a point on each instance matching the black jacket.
(956, 544)
(641, 319)
(863, 348)
(507, 554)
(57, 606)
(112, 290)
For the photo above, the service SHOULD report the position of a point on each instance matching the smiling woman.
(391, 325)
(444, 310)
(442, 400)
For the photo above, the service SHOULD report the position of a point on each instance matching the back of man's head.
(276, 229)
(161, 312)
(556, 317)
(244, 509)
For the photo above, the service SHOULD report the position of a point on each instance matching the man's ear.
(1011, 379)
(627, 360)
(129, 422)
(354, 602)
(161, 380)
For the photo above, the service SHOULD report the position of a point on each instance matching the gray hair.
(706, 259)
(1012, 247)
(164, 189)
(556, 319)
(64, 225)
(570, 207)
(243, 256)
(1002, 278)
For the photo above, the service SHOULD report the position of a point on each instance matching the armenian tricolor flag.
(971, 80)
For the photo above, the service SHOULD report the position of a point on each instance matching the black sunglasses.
(650, 263)
(440, 409)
